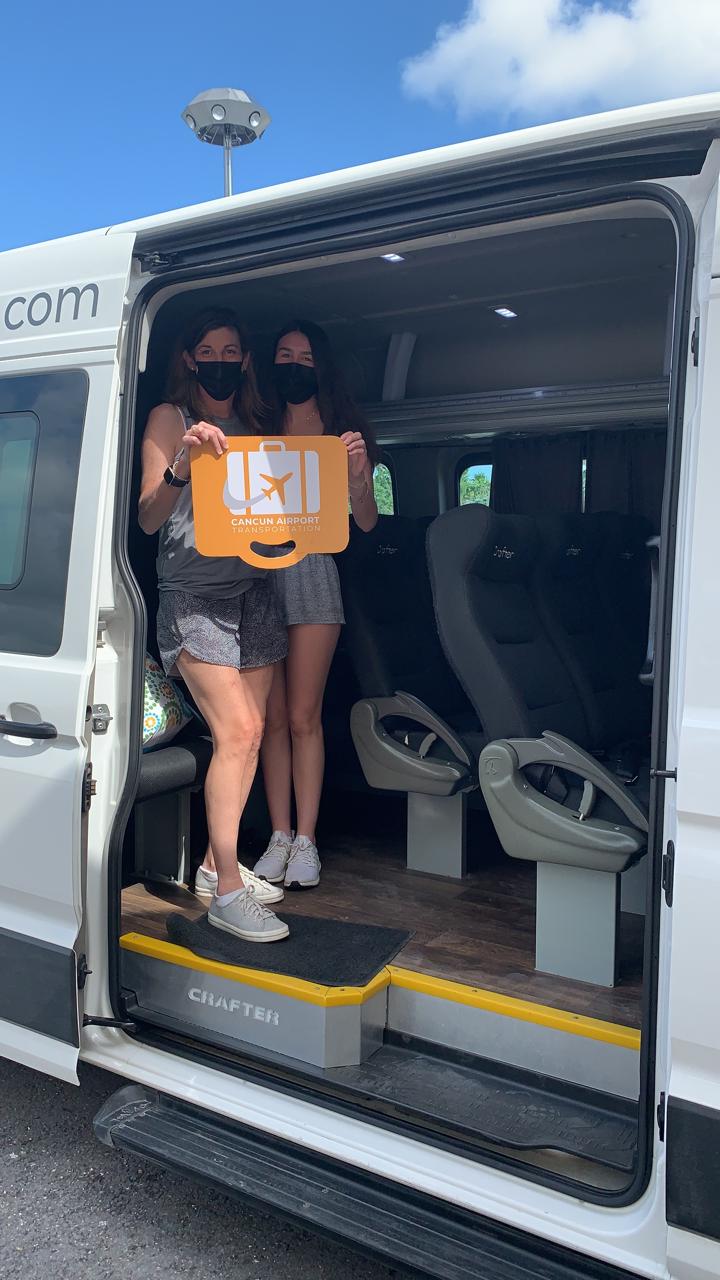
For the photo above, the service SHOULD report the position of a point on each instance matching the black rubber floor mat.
(329, 952)
(510, 1109)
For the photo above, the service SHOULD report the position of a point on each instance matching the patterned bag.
(166, 711)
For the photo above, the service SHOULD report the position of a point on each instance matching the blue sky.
(92, 92)
(95, 93)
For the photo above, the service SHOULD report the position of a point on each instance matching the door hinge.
(661, 1117)
(89, 788)
(155, 261)
(122, 1025)
(695, 341)
(668, 872)
(82, 971)
(670, 774)
(101, 717)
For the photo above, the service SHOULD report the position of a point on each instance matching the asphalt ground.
(73, 1209)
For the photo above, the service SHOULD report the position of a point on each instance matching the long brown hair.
(183, 388)
(338, 410)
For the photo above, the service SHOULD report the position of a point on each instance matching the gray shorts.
(245, 631)
(309, 591)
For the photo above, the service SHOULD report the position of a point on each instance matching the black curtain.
(625, 472)
(537, 476)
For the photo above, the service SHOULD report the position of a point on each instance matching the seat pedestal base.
(576, 929)
(436, 834)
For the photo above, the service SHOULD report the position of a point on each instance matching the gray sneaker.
(271, 866)
(246, 918)
(303, 868)
(206, 886)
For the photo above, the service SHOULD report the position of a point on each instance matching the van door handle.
(16, 729)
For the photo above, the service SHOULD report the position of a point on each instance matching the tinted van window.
(18, 445)
(474, 484)
(384, 490)
(41, 425)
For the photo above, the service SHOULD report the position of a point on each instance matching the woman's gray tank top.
(180, 567)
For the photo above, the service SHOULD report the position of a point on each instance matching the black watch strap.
(170, 478)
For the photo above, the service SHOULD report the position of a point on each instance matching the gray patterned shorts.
(309, 591)
(243, 632)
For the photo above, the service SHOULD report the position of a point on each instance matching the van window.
(474, 484)
(18, 444)
(41, 426)
(383, 488)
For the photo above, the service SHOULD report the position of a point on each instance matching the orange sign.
(269, 490)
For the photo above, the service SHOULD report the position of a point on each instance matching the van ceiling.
(591, 300)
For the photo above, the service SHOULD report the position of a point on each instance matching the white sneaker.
(247, 919)
(271, 866)
(303, 868)
(206, 885)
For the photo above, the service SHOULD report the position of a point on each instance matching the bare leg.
(275, 754)
(233, 705)
(310, 652)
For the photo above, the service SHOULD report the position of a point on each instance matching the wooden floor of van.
(479, 931)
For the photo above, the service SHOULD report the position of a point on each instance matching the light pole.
(226, 118)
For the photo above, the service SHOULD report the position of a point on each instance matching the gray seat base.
(436, 834)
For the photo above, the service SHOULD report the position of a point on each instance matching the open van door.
(61, 312)
(690, 1113)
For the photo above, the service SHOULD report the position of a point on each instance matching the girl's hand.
(206, 433)
(357, 454)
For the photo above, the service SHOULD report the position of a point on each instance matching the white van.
(499, 1051)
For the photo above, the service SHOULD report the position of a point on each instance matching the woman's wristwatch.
(169, 475)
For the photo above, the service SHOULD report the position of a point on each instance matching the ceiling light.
(505, 312)
(392, 257)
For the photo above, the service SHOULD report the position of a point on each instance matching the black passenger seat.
(544, 662)
(414, 729)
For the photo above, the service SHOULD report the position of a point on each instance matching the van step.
(469, 1099)
(372, 1214)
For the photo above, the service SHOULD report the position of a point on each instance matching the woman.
(218, 622)
(310, 400)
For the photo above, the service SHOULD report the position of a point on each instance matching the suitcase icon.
(273, 480)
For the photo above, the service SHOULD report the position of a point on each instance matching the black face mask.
(296, 383)
(220, 379)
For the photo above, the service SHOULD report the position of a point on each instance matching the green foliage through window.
(475, 484)
(382, 485)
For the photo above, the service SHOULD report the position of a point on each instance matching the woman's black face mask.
(295, 383)
(220, 379)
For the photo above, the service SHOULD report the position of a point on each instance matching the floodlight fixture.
(226, 118)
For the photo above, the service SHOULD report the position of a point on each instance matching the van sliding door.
(58, 390)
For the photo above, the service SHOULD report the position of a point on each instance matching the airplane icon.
(276, 484)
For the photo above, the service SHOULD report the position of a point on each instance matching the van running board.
(374, 1215)
(432, 1089)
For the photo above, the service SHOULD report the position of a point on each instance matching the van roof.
(701, 113)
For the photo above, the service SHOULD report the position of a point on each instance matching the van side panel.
(61, 315)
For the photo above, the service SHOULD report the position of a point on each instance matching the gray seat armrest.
(554, 749)
(390, 765)
(533, 826)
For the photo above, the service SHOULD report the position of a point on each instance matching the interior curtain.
(537, 476)
(625, 472)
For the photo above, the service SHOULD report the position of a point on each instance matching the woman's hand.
(206, 433)
(362, 498)
(357, 455)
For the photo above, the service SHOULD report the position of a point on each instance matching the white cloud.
(532, 60)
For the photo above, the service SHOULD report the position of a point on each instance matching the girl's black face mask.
(295, 383)
(220, 379)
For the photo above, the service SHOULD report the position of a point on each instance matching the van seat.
(414, 729)
(591, 590)
(177, 767)
(158, 838)
(543, 661)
